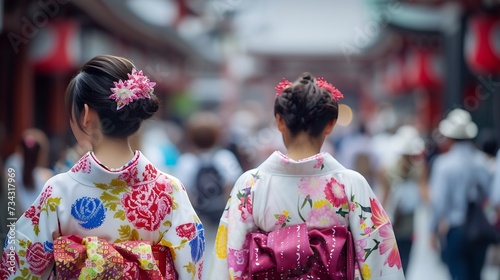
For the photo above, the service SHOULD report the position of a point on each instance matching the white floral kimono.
(135, 203)
(318, 191)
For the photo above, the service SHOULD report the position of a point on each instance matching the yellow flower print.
(221, 242)
(251, 182)
(286, 213)
(366, 272)
(320, 203)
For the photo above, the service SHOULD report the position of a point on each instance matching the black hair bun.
(145, 108)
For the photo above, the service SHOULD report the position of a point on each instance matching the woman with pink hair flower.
(302, 215)
(113, 215)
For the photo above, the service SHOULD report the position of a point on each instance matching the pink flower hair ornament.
(320, 82)
(138, 86)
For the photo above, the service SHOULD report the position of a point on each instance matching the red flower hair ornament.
(138, 86)
(320, 82)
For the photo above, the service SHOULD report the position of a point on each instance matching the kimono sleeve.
(377, 254)
(230, 257)
(28, 252)
(185, 235)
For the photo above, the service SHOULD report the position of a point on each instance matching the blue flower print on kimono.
(89, 211)
(197, 243)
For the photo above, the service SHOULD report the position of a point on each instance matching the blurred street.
(404, 68)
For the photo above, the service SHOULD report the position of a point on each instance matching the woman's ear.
(329, 127)
(89, 117)
(280, 122)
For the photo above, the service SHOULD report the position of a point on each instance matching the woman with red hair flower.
(293, 216)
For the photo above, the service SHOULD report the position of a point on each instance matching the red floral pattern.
(37, 258)
(9, 265)
(335, 193)
(33, 213)
(187, 231)
(82, 165)
(149, 173)
(130, 175)
(379, 217)
(147, 205)
(245, 207)
(46, 194)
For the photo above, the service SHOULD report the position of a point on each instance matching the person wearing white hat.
(404, 186)
(453, 180)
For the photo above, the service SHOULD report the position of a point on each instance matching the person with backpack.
(207, 170)
(302, 215)
(458, 177)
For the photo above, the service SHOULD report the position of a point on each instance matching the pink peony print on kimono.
(322, 217)
(314, 187)
(360, 249)
(82, 165)
(335, 193)
(38, 258)
(147, 205)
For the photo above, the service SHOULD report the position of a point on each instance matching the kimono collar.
(89, 171)
(319, 164)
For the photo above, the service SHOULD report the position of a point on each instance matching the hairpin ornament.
(320, 82)
(138, 86)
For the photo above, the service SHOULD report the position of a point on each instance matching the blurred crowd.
(407, 168)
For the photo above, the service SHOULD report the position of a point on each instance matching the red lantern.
(423, 69)
(482, 44)
(57, 47)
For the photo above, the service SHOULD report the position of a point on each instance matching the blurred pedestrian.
(458, 176)
(207, 170)
(404, 187)
(300, 193)
(114, 214)
(31, 165)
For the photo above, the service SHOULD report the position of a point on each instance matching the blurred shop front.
(418, 58)
(44, 42)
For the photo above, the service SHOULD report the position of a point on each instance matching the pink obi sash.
(294, 253)
(93, 257)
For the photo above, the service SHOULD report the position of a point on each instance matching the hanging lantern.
(423, 69)
(56, 48)
(482, 44)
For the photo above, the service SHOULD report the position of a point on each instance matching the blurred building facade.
(412, 60)
(419, 58)
(44, 42)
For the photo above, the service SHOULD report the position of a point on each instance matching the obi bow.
(92, 257)
(294, 252)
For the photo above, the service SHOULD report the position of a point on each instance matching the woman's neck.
(303, 146)
(113, 152)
